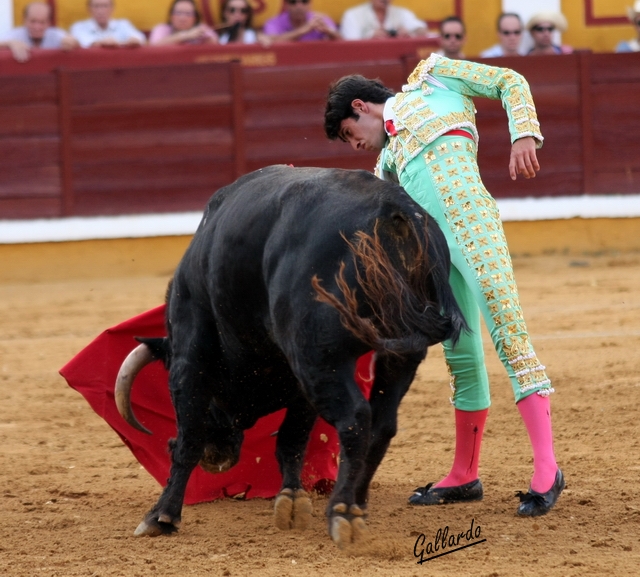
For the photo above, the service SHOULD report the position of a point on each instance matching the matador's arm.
(473, 79)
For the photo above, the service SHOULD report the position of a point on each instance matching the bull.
(291, 276)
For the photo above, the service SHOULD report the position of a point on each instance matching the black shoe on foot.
(431, 495)
(534, 504)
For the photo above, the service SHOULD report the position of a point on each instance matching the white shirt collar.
(387, 112)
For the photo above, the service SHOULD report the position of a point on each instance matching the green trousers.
(444, 179)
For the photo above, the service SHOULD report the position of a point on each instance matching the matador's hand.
(523, 158)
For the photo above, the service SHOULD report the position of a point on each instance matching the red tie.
(390, 128)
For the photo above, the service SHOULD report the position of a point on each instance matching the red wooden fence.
(164, 137)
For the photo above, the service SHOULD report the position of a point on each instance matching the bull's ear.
(159, 347)
(401, 226)
(402, 240)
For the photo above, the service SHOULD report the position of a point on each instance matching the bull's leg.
(346, 515)
(191, 391)
(293, 508)
(392, 381)
(340, 403)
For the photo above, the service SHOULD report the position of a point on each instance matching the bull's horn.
(132, 365)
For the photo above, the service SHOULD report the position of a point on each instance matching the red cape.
(93, 371)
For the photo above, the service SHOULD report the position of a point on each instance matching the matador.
(428, 140)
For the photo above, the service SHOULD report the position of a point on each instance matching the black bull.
(292, 275)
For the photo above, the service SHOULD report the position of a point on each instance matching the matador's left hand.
(523, 158)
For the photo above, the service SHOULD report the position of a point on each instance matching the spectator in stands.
(452, 37)
(378, 19)
(237, 17)
(541, 26)
(102, 30)
(632, 45)
(183, 26)
(510, 30)
(298, 22)
(37, 32)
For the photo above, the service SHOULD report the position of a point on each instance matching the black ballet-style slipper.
(534, 504)
(431, 495)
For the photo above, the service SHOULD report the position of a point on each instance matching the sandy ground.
(72, 494)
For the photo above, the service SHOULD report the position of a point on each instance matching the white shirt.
(52, 37)
(86, 32)
(249, 37)
(387, 114)
(496, 51)
(361, 22)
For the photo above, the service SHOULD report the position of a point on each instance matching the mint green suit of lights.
(440, 172)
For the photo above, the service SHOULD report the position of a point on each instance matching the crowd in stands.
(452, 37)
(376, 19)
(632, 45)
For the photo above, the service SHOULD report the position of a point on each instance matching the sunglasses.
(543, 28)
(511, 32)
(449, 36)
(234, 10)
(294, 2)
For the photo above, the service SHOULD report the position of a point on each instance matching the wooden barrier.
(29, 147)
(137, 138)
(253, 55)
(613, 156)
(284, 114)
(158, 138)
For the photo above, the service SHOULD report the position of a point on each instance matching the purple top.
(281, 23)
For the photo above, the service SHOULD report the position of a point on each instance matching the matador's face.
(365, 132)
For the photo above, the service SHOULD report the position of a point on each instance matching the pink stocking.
(535, 411)
(469, 430)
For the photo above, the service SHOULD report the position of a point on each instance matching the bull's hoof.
(152, 526)
(347, 525)
(293, 510)
(214, 462)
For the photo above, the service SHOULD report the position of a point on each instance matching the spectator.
(298, 22)
(509, 36)
(541, 26)
(102, 30)
(237, 19)
(377, 19)
(452, 37)
(183, 26)
(37, 32)
(632, 45)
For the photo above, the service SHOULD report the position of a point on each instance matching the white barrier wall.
(621, 206)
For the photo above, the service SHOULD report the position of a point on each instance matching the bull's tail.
(411, 303)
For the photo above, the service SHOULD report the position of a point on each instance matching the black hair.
(453, 19)
(505, 15)
(235, 30)
(343, 92)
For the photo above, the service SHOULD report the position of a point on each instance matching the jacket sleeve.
(385, 168)
(473, 79)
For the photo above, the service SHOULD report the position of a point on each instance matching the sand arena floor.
(72, 494)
